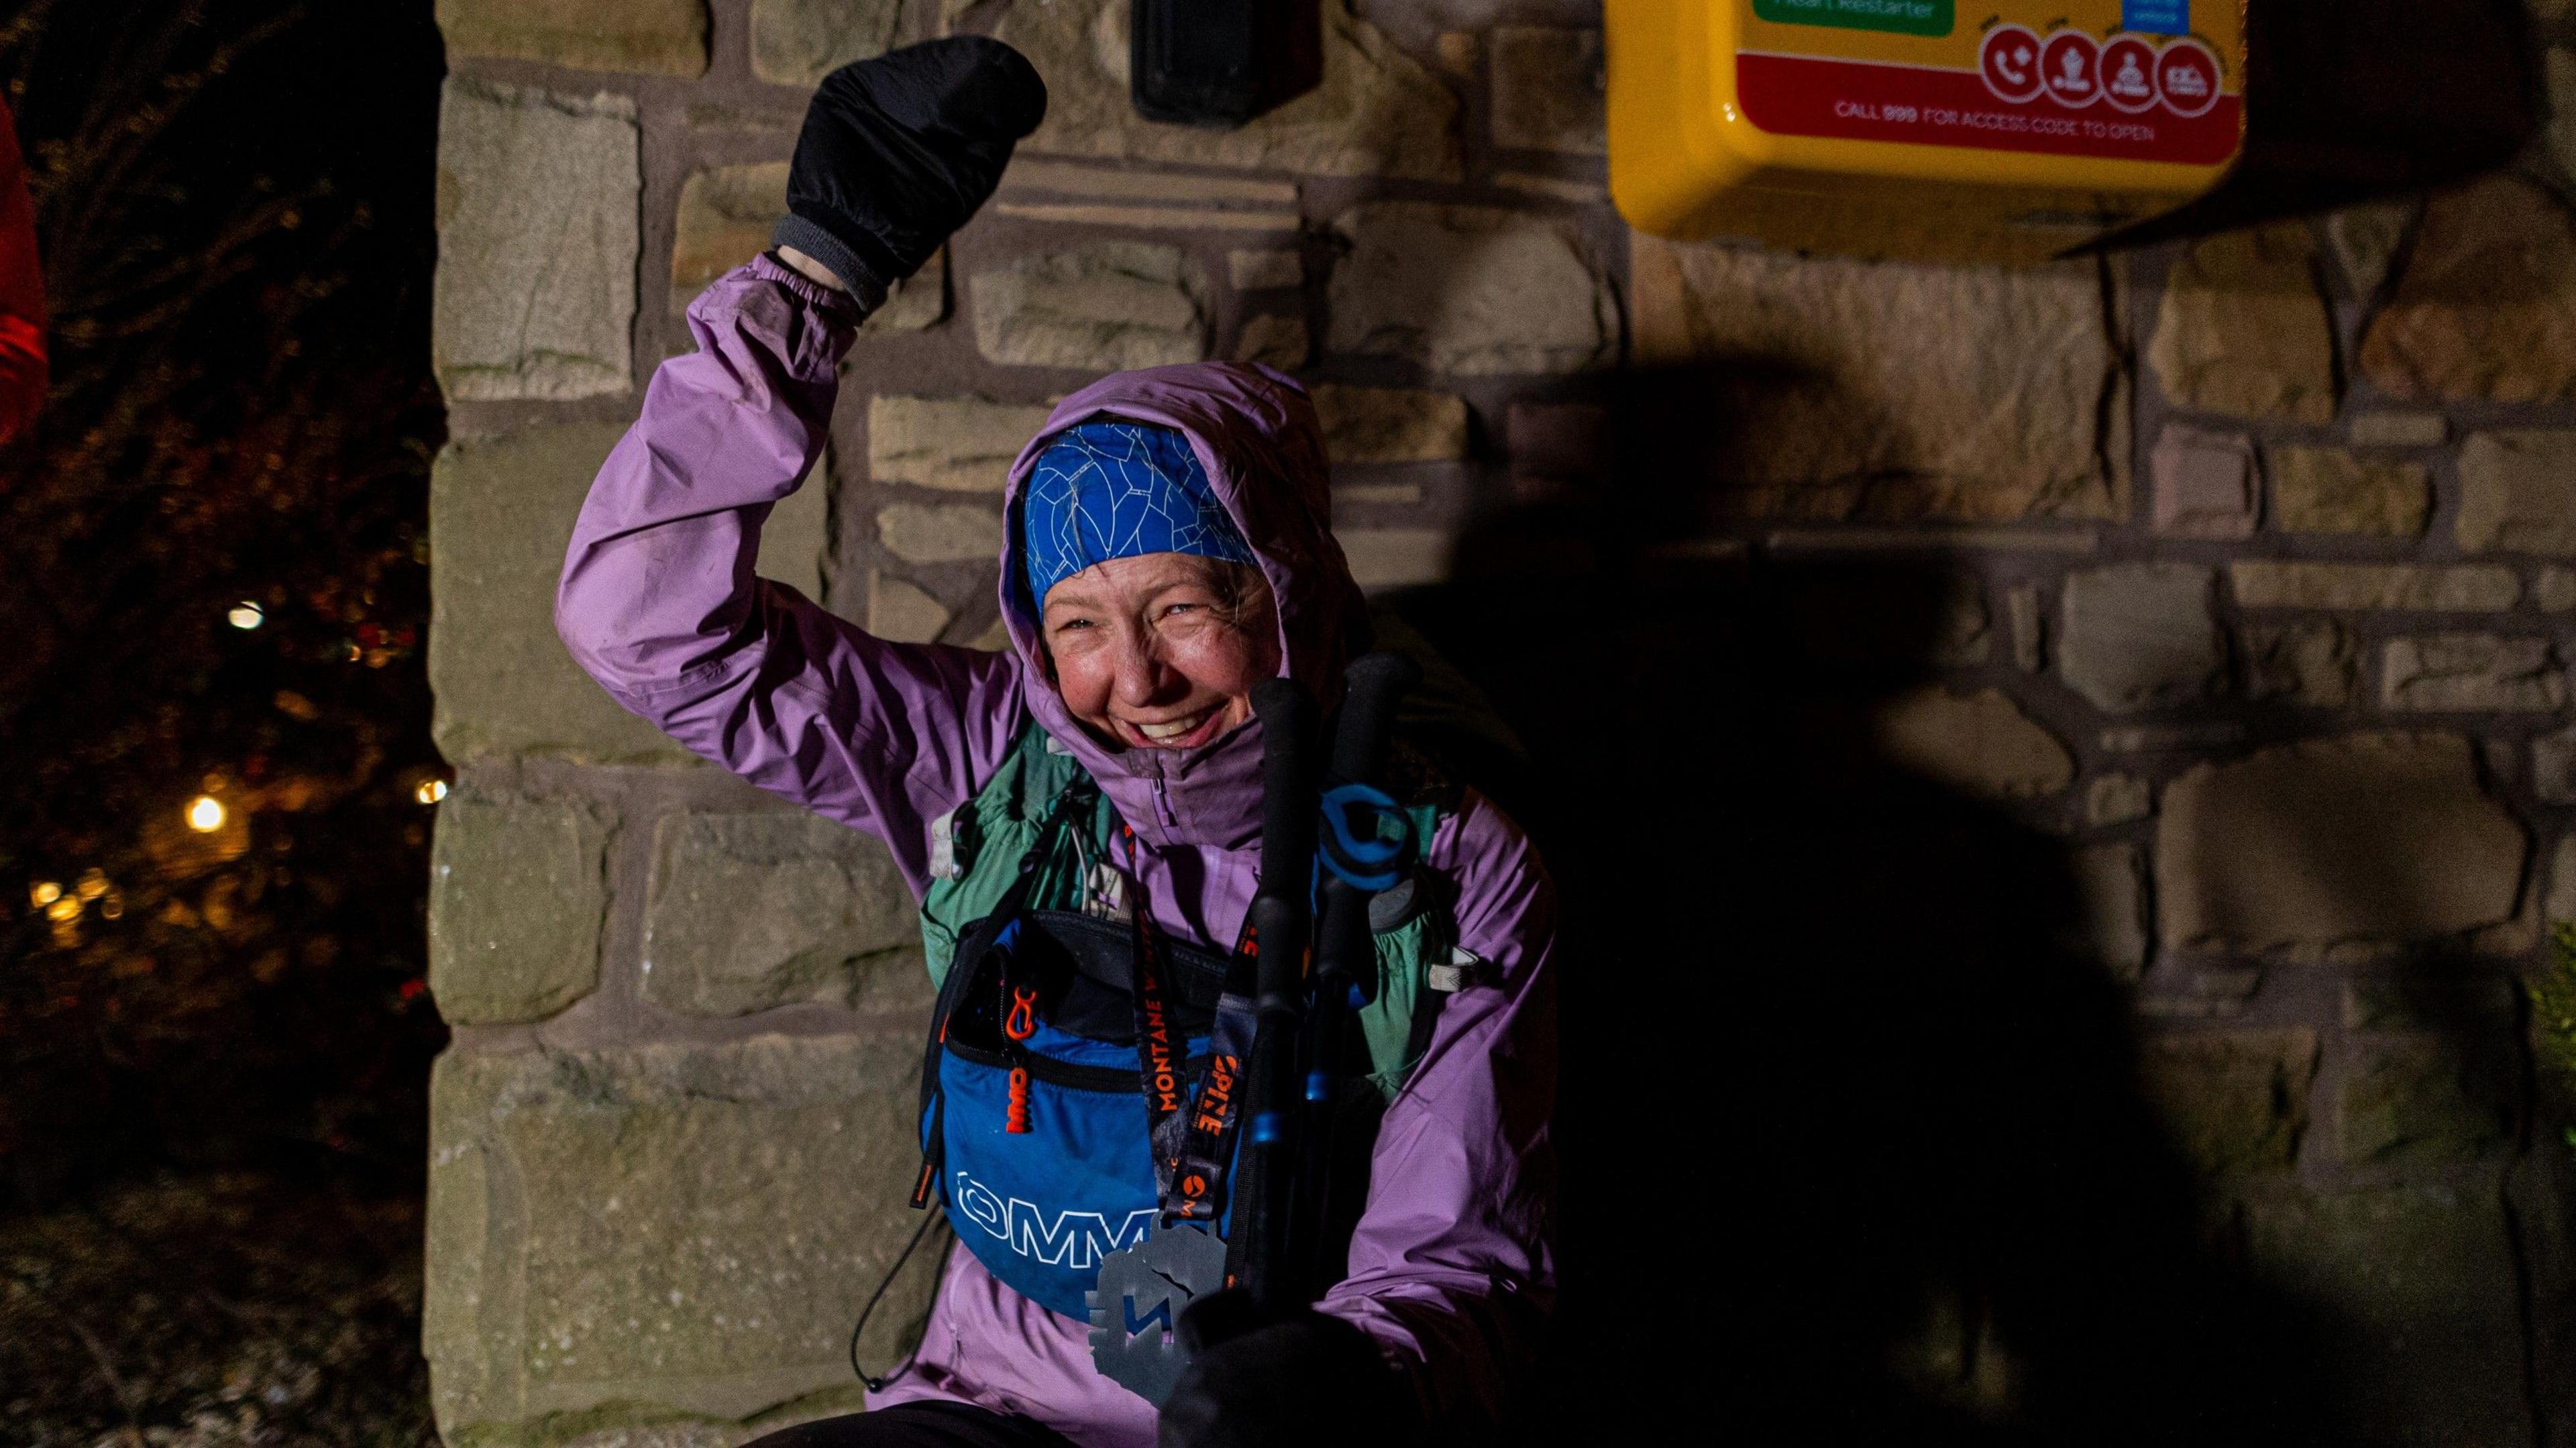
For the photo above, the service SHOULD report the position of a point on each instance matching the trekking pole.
(1280, 922)
(1345, 950)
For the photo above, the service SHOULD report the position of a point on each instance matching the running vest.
(1045, 1177)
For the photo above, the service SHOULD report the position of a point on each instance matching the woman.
(1169, 550)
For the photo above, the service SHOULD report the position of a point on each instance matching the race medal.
(1136, 1307)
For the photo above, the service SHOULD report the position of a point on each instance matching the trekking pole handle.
(1281, 922)
(1343, 950)
(1281, 910)
(1377, 684)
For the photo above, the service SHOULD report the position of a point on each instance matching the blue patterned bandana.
(1108, 490)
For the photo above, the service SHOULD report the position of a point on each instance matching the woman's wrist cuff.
(860, 280)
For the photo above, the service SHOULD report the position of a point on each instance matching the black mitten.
(1304, 1381)
(899, 150)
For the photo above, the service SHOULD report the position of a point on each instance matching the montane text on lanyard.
(1191, 1131)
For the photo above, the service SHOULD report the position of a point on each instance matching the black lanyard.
(1191, 1134)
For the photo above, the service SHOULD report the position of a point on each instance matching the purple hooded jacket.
(1450, 1269)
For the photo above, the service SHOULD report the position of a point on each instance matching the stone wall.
(2262, 592)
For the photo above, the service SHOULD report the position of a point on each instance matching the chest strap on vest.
(1078, 798)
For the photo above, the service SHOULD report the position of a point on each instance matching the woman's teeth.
(1172, 730)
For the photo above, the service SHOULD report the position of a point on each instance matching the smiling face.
(1162, 650)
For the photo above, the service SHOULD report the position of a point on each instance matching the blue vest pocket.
(1040, 1208)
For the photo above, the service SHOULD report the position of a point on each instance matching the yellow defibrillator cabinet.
(1955, 129)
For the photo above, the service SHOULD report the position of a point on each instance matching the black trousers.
(917, 1425)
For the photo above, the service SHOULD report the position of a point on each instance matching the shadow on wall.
(1853, 1140)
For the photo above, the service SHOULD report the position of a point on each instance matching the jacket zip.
(1041, 1067)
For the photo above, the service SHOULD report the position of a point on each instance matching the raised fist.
(899, 150)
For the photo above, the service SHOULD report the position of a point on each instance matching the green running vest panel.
(976, 851)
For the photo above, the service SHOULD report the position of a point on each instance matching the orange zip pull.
(1017, 1122)
(1022, 1022)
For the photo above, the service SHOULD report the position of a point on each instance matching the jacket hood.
(1255, 432)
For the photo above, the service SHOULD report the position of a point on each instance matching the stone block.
(2113, 898)
(2472, 672)
(725, 216)
(750, 911)
(1390, 424)
(2464, 588)
(1396, 494)
(1148, 218)
(1566, 441)
(798, 42)
(901, 613)
(665, 1234)
(1471, 291)
(2328, 490)
(2366, 837)
(517, 891)
(1189, 190)
(1552, 188)
(1980, 743)
(1395, 557)
(501, 511)
(917, 302)
(2028, 618)
(2553, 590)
(2486, 308)
(2518, 493)
(793, 541)
(2233, 1101)
(2558, 67)
(2243, 330)
(1376, 112)
(2365, 239)
(2399, 429)
(1274, 341)
(536, 244)
(1099, 306)
(2418, 1098)
(1887, 621)
(2309, 663)
(2419, 1294)
(2421, 1000)
(2138, 635)
(1840, 390)
(928, 533)
(1548, 93)
(2116, 799)
(956, 444)
(2204, 484)
(2553, 767)
(1261, 271)
(663, 37)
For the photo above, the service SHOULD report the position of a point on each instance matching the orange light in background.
(205, 814)
(43, 893)
(246, 615)
(431, 791)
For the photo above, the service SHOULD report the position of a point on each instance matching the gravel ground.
(228, 1309)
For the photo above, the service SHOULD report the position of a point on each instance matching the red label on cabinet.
(2066, 95)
